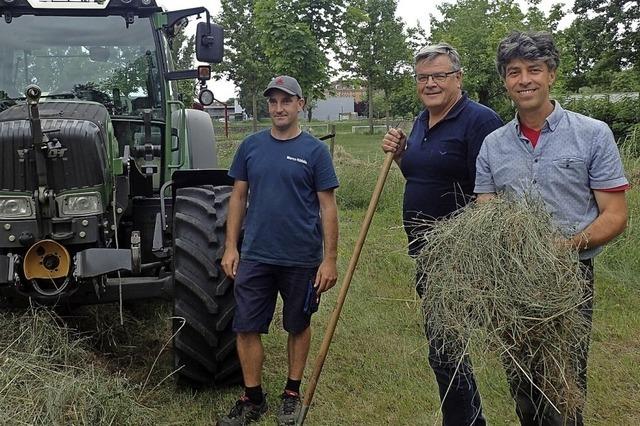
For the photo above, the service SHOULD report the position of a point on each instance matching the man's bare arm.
(235, 216)
(610, 223)
(328, 271)
(482, 198)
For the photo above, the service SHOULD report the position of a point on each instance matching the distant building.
(333, 108)
(235, 111)
(340, 103)
(349, 90)
(216, 110)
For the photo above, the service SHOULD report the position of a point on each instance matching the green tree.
(379, 105)
(416, 38)
(475, 27)
(129, 75)
(604, 40)
(626, 81)
(403, 100)
(324, 19)
(183, 48)
(374, 47)
(292, 48)
(261, 108)
(245, 61)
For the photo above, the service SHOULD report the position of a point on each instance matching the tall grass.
(621, 259)
(356, 176)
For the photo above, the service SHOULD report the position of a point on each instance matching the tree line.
(365, 44)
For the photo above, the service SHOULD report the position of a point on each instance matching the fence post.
(333, 139)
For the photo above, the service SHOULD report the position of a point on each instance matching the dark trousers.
(461, 405)
(459, 395)
(532, 408)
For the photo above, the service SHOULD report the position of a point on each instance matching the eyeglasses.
(438, 77)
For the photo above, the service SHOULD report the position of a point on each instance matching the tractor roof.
(10, 8)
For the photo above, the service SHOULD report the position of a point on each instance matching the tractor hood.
(77, 151)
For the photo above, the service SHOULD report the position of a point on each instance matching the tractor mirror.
(209, 43)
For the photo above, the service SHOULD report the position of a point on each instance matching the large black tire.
(205, 347)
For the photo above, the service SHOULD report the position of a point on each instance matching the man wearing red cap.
(289, 245)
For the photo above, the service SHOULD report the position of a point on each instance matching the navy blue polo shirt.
(439, 163)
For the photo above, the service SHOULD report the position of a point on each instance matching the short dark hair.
(527, 45)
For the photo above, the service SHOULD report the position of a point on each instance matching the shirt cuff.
(484, 189)
(621, 188)
(608, 184)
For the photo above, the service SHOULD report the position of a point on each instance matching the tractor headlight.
(12, 207)
(80, 204)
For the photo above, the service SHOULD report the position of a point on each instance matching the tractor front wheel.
(204, 345)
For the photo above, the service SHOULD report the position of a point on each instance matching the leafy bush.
(621, 115)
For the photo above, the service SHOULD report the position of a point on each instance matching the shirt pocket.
(571, 163)
(570, 169)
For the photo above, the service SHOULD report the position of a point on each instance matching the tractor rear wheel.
(204, 345)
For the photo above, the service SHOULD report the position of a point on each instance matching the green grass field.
(376, 372)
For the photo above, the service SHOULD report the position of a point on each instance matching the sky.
(411, 11)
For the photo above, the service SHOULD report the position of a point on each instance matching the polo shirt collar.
(551, 122)
(453, 112)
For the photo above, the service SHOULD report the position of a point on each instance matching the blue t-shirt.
(440, 164)
(283, 225)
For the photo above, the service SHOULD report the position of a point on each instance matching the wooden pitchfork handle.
(333, 322)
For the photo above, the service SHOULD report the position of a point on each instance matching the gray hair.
(430, 52)
(530, 46)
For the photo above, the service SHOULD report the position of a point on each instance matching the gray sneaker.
(243, 413)
(290, 408)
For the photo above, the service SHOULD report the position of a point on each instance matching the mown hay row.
(48, 378)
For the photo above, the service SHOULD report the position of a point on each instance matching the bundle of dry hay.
(496, 275)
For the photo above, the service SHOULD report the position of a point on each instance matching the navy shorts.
(256, 290)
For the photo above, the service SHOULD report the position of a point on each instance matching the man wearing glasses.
(438, 160)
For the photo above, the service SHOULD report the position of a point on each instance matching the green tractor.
(109, 187)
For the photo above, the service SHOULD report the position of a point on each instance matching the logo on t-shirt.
(299, 160)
